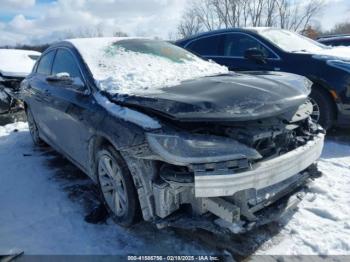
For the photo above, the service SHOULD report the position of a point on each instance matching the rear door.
(38, 89)
(235, 45)
(70, 107)
(228, 49)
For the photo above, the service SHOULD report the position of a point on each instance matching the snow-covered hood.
(332, 53)
(129, 65)
(17, 63)
(230, 97)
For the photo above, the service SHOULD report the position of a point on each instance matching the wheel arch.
(326, 90)
(96, 142)
(142, 172)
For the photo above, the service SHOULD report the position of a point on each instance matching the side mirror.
(60, 77)
(255, 55)
(75, 82)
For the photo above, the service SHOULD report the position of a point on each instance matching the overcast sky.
(33, 21)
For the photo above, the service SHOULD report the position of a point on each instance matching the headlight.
(185, 148)
(340, 64)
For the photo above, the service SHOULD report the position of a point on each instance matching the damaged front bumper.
(239, 187)
(224, 217)
(263, 174)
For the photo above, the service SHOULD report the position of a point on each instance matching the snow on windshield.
(291, 42)
(15, 62)
(134, 65)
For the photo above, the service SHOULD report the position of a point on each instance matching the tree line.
(207, 15)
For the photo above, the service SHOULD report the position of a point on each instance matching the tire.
(324, 112)
(116, 186)
(33, 129)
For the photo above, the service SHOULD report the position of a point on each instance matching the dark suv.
(335, 40)
(269, 49)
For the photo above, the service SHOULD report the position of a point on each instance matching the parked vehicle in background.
(335, 40)
(15, 65)
(270, 49)
(180, 139)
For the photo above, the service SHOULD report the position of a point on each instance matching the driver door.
(70, 107)
(234, 47)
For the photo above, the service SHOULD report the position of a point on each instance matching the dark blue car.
(269, 49)
(335, 40)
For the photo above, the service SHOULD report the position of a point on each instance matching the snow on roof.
(15, 62)
(134, 65)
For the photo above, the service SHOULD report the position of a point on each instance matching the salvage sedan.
(181, 139)
(15, 65)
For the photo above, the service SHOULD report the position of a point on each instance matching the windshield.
(131, 65)
(291, 42)
(151, 47)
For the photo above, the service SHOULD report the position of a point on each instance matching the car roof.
(226, 30)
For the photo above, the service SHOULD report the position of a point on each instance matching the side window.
(207, 46)
(65, 63)
(237, 44)
(45, 63)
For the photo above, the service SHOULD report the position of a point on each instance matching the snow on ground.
(15, 62)
(37, 214)
(43, 207)
(322, 224)
(128, 65)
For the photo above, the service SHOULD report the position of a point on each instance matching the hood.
(231, 97)
(331, 53)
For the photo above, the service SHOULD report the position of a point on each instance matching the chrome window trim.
(277, 57)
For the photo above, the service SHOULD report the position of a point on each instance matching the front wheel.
(117, 187)
(323, 109)
(33, 129)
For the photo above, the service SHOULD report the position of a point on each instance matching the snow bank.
(322, 223)
(14, 62)
(117, 70)
(38, 217)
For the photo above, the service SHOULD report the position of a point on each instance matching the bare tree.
(119, 33)
(206, 15)
(342, 28)
(270, 12)
(190, 24)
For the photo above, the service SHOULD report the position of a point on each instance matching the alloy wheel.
(112, 185)
(316, 113)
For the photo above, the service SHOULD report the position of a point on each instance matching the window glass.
(65, 63)
(237, 44)
(157, 49)
(45, 63)
(339, 43)
(207, 46)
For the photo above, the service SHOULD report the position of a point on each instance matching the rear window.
(207, 46)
